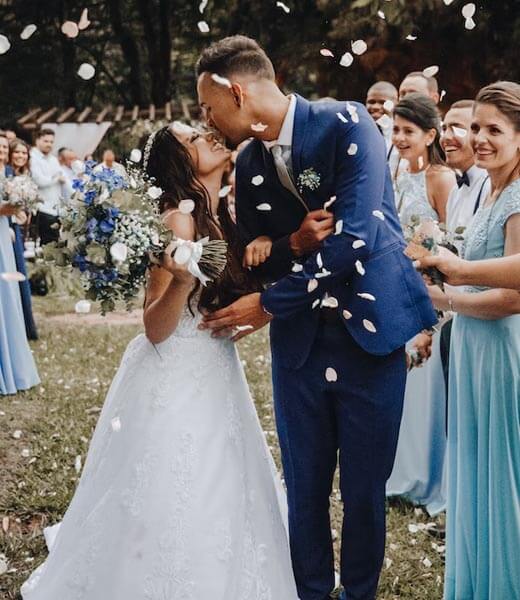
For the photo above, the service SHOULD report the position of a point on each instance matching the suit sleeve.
(281, 259)
(359, 172)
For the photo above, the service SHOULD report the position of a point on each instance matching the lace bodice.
(485, 236)
(412, 197)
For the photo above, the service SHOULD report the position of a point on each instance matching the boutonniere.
(309, 179)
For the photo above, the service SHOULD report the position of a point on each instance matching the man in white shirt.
(109, 162)
(473, 185)
(50, 179)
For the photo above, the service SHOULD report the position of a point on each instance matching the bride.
(179, 498)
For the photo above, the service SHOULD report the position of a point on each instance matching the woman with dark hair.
(19, 165)
(179, 497)
(483, 519)
(422, 191)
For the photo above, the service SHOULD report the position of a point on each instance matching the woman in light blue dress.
(17, 367)
(421, 191)
(483, 517)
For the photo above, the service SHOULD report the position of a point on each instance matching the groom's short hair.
(235, 55)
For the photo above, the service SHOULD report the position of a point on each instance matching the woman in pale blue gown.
(17, 367)
(421, 191)
(483, 517)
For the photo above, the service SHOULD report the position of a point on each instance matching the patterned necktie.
(283, 172)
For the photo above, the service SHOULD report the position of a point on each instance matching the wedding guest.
(422, 191)
(379, 94)
(49, 177)
(66, 157)
(494, 272)
(109, 162)
(19, 153)
(418, 83)
(473, 185)
(17, 367)
(483, 519)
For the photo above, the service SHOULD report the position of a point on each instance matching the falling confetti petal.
(411, 38)
(17, 434)
(342, 117)
(339, 227)
(115, 423)
(443, 93)
(352, 111)
(378, 214)
(224, 191)
(330, 375)
(86, 71)
(346, 60)
(27, 32)
(359, 47)
(244, 327)
(70, 29)
(259, 127)
(202, 6)
(388, 105)
(352, 149)
(312, 285)
(322, 273)
(329, 202)
(83, 21)
(460, 132)
(25, 453)
(154, 192)
(326, 52)
(381, 14)
(388, 563)
(431, 71)
(257, 180)
(5, 44)
(315, 303)
(470, 24)
(359, 267)
(297, 268)
(367, 296)
(284, 7)
(186, 206)
(221, 80)
(319, 261)
(136, 155)
(203, 27)
(264, 207)
(448, 2)
(347, 315)
(385, 121)
(358, 244)
(369, 326)
(82, 307)
(77, 464)
(330, 302)
(427, 563)
(468, 10)
(14, 276)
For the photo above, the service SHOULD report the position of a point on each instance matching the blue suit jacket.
(365, 257)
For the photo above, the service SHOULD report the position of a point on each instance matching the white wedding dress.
(179, 498)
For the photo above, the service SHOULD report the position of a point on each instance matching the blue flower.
(80, 262)
(89, 197)
(78, 184)
(107, 225)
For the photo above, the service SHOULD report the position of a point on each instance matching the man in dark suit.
(341, 308)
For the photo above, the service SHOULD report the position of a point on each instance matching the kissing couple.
(179, 497)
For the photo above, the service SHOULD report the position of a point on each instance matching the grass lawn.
(44, 436)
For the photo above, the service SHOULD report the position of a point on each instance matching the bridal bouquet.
(21, 192)
(112, 232)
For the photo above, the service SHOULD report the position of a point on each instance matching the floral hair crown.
(148, 149)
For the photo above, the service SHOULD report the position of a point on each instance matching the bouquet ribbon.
(189, 253)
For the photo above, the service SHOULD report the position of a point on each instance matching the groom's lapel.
(300, 130)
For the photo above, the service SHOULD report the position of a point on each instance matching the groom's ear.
(238, 94)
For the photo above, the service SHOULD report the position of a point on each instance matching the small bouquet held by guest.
(22, 193)
(112, 232)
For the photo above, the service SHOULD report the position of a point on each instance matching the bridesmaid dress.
(418, 473)
(483, 516)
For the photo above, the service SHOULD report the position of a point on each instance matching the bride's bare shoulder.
(181, 224)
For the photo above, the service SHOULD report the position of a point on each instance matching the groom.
(340, 309)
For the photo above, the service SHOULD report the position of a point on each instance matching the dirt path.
(116, 318)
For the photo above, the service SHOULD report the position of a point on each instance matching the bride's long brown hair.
(170, 165)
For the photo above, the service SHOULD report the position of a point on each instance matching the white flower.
(154, 192)
(330, 375)
(82, 307)
(119, 252)
(136, 155)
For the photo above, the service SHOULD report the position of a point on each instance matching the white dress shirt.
(285, 137)
(462, 200)
(45, 171)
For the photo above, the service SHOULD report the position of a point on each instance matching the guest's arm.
(440, 183)
(489, 304)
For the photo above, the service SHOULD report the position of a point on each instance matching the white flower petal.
(468, 10)
(28, 31)
(347, 314)
(329, 202)
(367, 296)
(203, 27)
(431, 71)
(388, 105)
(369, 326)
(385, 122)
(119, 251)
(342, 117)
(339, 227)
(257, 180)
(86, 71)
(359, 267)
(359, 47)
(17, 434)
(346, 60)
(448, 2)
(115, 423)
(264, 206)
(326, 52)
(352, 149)
(224, 191)
(315, 303)
(330, 375)
(14, 276)
(136, 155)
(82, 307)
(312, 285)
(187, 206)
(284, 7)
(470, 24)
(358, 244)
(319, 260)
(330, 302)
(381, 14)
(221, 80)
(297, 268)
(243, 327)
(5, 44)
(202, 6)
(378, 214)
(427, 562)
(322, 273)
(411, 38)
(83, 21)
(154, 192)
(77, 463)
(443, 93)
(460, 131)
(259, 127)
(70, 29)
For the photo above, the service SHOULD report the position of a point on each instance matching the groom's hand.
(242, 317)
(317, 225)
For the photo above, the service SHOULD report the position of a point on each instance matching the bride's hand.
(180, 272)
